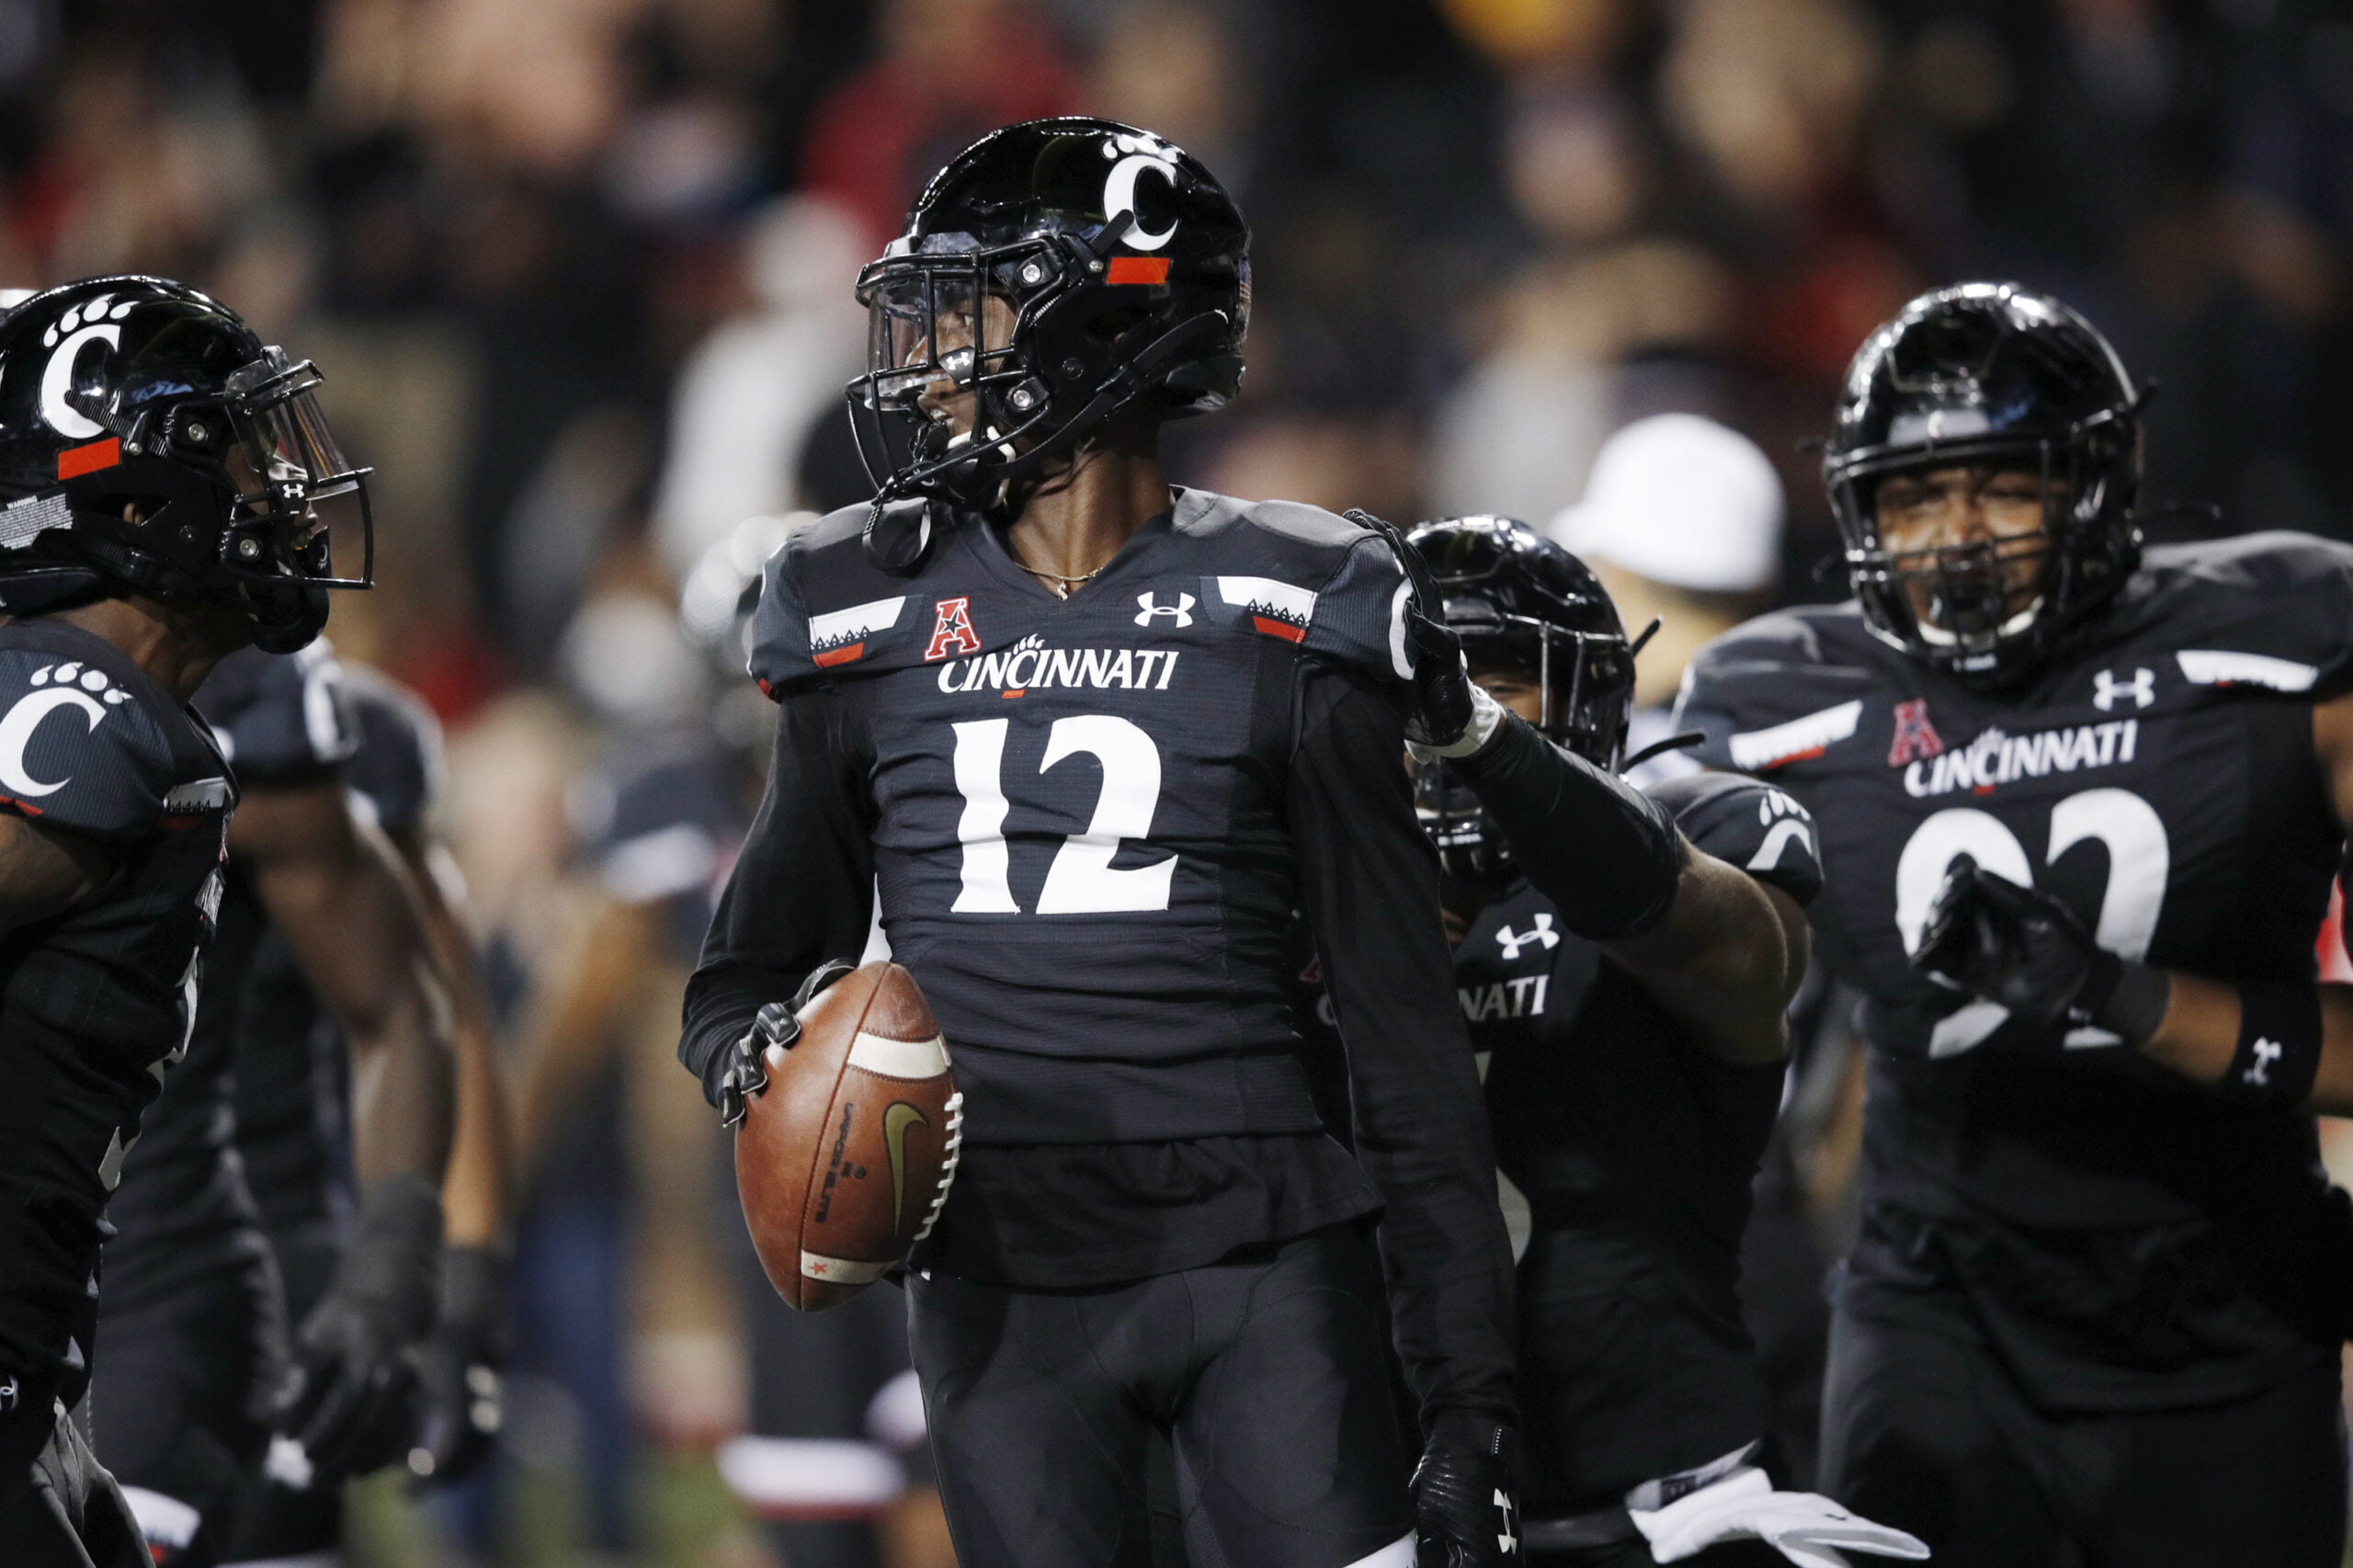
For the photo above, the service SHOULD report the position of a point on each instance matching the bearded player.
(1627, 957)
(170, 483)
(2079, 804)
(1094, 737)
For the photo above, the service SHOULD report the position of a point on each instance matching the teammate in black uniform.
(299, 1039)
(167, 479)
(2093, 1302)
(1626, 959)
(1096, 738)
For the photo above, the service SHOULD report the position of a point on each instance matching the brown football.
(844, 1162)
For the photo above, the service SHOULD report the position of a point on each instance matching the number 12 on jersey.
(1082, 879)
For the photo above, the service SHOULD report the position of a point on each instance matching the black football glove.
(351, 1399)
(1466, 1496)
(464, 1398)
(1443, 705)
(2016, 946)
(778, 1026)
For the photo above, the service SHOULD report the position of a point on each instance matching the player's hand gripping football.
(1466, 1496)
(1446, 714)
(464, 1396)
(351, 1399)
(776, 1026)
(2016, 946)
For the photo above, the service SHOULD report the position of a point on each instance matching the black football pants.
(179, 1397)
(1268, 1374)
(1925, 1429)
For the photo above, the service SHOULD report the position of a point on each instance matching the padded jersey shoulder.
(2271, 609)
(1297, 572)
(281, 719)
(88, 744)
(1749, 823)
(1783, 686)
(824, 605)
(1336, 581)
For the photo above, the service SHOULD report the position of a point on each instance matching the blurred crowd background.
(578, 272)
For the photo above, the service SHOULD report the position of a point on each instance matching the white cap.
(1682, 501)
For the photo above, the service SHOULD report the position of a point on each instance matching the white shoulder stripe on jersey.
(1800, 737)
(2214, 666)
(858, 620)
(1294, 603)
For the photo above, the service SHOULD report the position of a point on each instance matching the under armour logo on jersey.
(1182, 610)
(2106, 689)
(1914, 737)
(952, 631)
(2266, 1051)
(1540, 930)
(1507, 1538)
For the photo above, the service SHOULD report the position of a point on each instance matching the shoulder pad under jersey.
(2269, 610)
(1748, 823)
(397, 763)
(1315, 578)
(85, 743)
(1782, 688)
(824, 607)
(281, 719)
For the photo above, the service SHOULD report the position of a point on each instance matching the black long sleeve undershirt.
(1607, 855)
(1368, 882)
(801, 892)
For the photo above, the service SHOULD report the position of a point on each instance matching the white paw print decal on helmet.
(88, 677)
(93, 321)
(89, 312)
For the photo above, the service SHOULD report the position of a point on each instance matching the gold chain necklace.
(1058, 584)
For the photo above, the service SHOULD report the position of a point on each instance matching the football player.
(171, 485)
(1094, 737)
(2096, 1306)
(1627, 957)
(300, 1045)
(194, 1320)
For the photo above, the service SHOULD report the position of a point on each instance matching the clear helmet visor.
(303, 504)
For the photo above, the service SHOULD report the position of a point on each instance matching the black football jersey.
(1078, 833)
(2158, 776)
(184, 1208)
(95, 1004)
(1636, 1151)
(291, 1081)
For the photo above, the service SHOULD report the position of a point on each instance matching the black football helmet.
(1521, 602)
(1059, 270)
(149, 441)
(1989, 374)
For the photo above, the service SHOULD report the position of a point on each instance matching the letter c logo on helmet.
(80, 326)
(57, 376)
(1120, 189)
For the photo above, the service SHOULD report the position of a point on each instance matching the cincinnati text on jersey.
(1996, 758)
(1030, 665)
